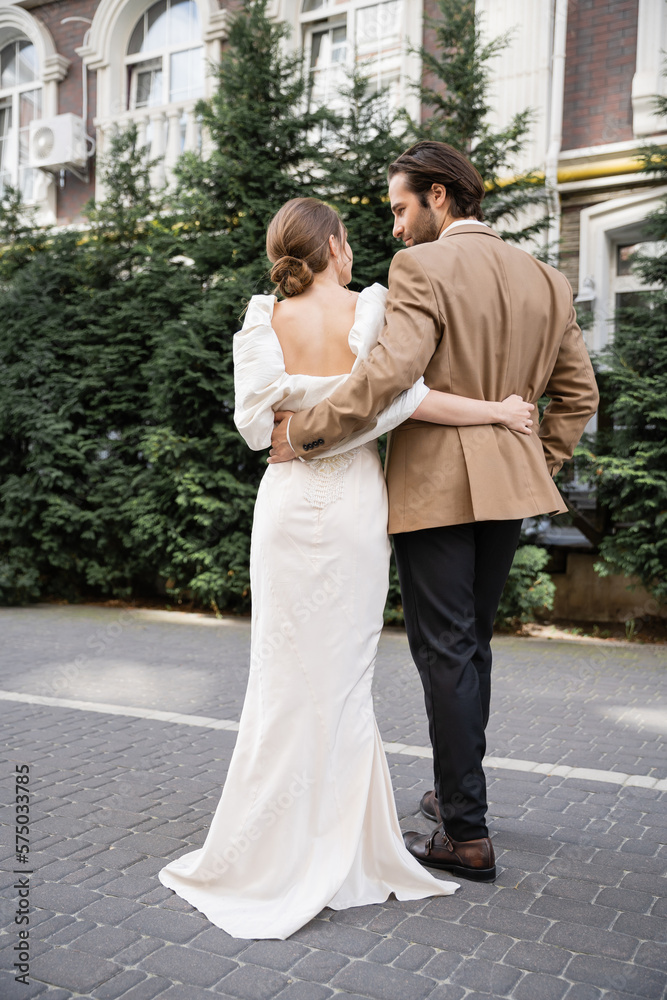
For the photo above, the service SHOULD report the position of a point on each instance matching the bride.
(307, 817)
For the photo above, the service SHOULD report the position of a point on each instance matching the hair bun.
(292, 275)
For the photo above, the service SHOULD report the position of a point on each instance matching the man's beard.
(426, 228)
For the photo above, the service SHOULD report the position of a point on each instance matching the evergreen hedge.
(121, 472)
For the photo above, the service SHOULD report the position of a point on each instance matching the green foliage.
(367, 139)
(528, 589)
(629, 463)
(456, 93)
(120, 467)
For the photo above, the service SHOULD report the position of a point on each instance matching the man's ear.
(439, 195)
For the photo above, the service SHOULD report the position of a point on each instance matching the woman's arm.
(445, 408)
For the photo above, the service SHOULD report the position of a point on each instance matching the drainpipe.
(556, 118)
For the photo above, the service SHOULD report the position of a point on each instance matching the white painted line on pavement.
(502, 763)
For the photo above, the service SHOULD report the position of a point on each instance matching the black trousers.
(451, 583)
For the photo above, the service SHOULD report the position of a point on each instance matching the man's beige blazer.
(483, 319)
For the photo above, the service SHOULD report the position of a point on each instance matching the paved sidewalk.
(578, 804)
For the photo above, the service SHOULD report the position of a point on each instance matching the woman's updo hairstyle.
(297, 243)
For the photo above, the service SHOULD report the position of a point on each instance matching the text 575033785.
(22, 883)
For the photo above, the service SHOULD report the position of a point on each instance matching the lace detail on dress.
(324, 482)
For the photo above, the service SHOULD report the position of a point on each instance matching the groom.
(483, 319)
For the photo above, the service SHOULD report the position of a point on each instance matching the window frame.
(333, 15)
(163, 54)
(18, 170)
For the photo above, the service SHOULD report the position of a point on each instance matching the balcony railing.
(167, 130)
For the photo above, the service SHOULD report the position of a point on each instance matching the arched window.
(20, 103)
(165, 56)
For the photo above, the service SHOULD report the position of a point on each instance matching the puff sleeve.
(260, 380)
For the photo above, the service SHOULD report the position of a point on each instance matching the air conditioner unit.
(57, 143)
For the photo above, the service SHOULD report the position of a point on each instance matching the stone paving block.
(167, 924)
(72, 970)
(106, 941)
(71, 932)
(187, 965)
(119, 985)
(581, 991)
(449, 908)
(253, 983)
(320, 966)
(110, 910)
(591, 940)
(356, 916)
(279, 955)
(438, 934)
(134, 953)
(535, 957)
(153, 844)
(62, 898)
(447, 991)
(652, 954)
(147, 989)
(646, 928)
(512, 898)
(305, 991)
(621, 977)
(442, 965)
(603, 876)
(218, 942)
(386, 951)
(573, 911)
(382, 982)
(500, 920)
(336, 937)
(572, 888)
(11, 990)
(494, 947)
(645, 883)
(386, 920)
(414, 957)
(179, 992)
(487, 977)
(539, 986)
(130, 888)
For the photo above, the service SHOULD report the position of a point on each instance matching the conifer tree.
(629, 463)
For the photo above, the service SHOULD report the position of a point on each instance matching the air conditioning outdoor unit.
(57, 143)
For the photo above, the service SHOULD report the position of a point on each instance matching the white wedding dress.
(307, 816)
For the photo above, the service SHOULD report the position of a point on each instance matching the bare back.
(313, 330)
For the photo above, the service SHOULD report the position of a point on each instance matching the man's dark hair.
(427, 163)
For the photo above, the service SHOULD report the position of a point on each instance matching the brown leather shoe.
(472, 859)
(429, 807)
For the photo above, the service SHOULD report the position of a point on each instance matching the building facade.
(589, 68)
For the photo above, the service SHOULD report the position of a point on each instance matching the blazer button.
(321, 441)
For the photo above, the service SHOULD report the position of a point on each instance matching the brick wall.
(67, 38)
(599, 66)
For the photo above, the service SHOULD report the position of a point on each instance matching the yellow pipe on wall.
(581, 172)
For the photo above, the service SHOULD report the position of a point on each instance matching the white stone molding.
(53, 67)
(108, 39)
(649, 80)
(603, 227)
(15, 22)
(104, 52)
